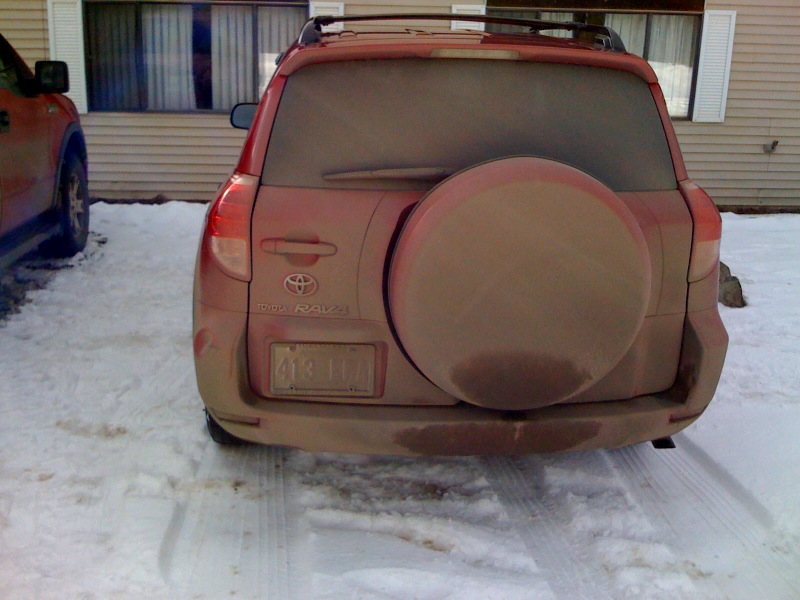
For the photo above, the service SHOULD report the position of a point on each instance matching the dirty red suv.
(43, 189)
(457, 242)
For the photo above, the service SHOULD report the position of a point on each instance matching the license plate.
(322, 369)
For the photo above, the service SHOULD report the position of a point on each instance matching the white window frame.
(65, 23)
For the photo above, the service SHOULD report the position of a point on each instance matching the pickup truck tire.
(73, 210)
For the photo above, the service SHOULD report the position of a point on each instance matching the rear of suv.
(43, 189)
(456, 242)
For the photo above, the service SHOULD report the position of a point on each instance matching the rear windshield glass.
(398, 124)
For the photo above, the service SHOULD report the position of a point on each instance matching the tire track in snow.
(708, 516)
(273, 539)
(231, 535)
(544, 530)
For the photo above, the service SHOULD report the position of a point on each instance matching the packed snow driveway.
(110, 488)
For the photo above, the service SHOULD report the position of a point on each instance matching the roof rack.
(312, 30)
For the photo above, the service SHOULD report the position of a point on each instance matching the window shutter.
(327, 9)
(714, 69)
(66, 43)
(468, 9)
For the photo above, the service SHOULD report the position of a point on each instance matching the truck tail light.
(227, 233)
(706, 234)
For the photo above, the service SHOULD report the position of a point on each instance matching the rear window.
(421, 116)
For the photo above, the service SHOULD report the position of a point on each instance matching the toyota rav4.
(457, 242)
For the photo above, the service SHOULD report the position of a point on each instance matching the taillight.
(706, 234)
(228, 225)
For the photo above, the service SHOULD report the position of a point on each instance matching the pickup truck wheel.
(518, 283)
(73, 210)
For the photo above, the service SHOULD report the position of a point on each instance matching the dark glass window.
(13, 71)
(184, 57)
(346, 118)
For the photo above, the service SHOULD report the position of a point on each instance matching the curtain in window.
(558, 17)
(167, 40)
(631, 28)
(509, 14)
(671, 54)
(278, 28)
(232, 56)
(112, 57)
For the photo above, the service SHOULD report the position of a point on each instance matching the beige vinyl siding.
(24, 24)
(371, 7)
(136, 156)
(728, 159)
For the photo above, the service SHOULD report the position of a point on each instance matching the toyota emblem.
(300, 284)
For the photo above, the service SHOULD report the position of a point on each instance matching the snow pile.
(753, 424)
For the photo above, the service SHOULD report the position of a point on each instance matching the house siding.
(139, 156)
(24, 24)
(361, 7)
(728, 158)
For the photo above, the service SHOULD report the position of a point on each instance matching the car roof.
(429, 24)
(421, 36)
(446, 36)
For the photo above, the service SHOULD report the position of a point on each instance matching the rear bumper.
(459, 430)
(464, 429)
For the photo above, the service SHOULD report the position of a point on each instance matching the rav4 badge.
(339, 310)
(321, 309)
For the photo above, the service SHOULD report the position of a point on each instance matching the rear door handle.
(5, 121)
(277, 246)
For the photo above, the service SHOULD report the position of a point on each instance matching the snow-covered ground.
(110, 488)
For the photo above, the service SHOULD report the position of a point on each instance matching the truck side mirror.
(52, 77)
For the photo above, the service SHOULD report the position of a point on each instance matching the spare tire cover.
(518, 283)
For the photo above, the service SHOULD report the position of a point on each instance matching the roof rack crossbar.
(312, 30)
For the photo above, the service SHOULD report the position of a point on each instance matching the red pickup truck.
(44, 196)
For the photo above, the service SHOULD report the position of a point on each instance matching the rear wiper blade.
(419, 173)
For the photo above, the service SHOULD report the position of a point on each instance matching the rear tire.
(219, 435)
(73, 210)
